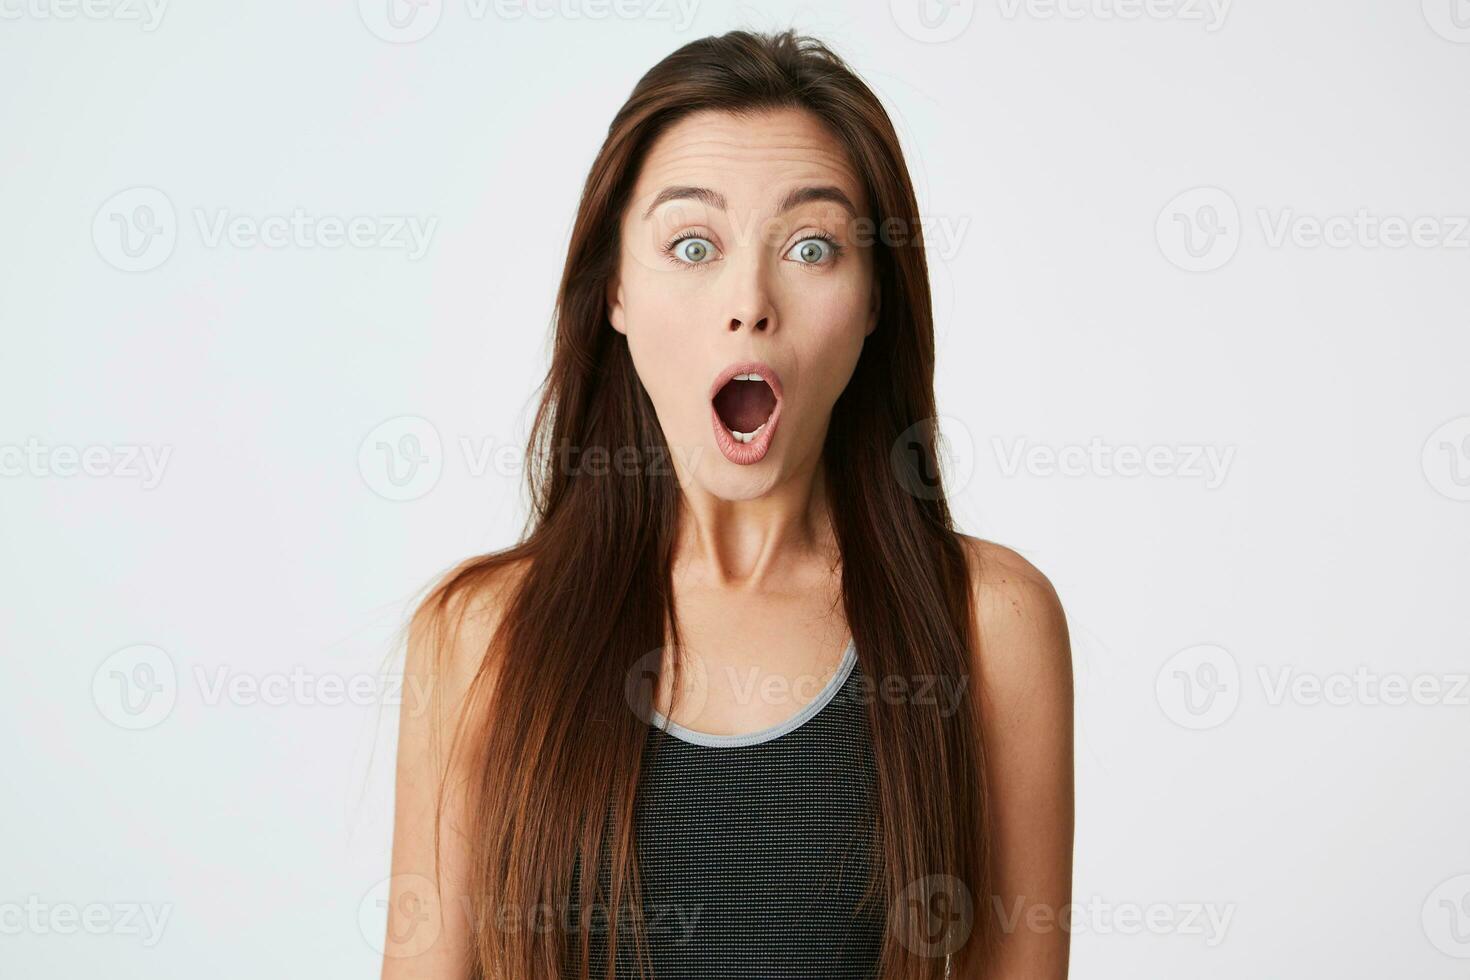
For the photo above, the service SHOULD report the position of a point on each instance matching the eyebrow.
(716, 200)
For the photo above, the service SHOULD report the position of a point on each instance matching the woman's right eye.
(691, 250)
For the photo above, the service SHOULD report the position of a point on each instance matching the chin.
(729, 481)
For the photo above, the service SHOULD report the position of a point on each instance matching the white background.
(1051, 143)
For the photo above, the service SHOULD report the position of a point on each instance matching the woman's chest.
(762, 859)
(747, 663)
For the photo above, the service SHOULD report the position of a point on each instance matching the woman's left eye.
(813, 251)
(691, 250)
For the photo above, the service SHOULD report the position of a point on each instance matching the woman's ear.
(614, 299)
(875, 303)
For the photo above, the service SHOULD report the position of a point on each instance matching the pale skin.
(756, 568)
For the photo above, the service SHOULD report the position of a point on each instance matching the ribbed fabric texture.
(755, 858)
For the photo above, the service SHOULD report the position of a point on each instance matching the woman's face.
(745, 288)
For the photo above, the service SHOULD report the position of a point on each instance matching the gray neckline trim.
(808, 711)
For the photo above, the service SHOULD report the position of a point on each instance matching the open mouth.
(746, 406)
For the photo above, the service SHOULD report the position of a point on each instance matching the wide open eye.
(690, 250)
(813, 251)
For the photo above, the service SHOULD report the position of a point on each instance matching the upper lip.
(747, 367)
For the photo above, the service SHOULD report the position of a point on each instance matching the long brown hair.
(554, 761)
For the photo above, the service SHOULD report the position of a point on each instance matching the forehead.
(753, 160)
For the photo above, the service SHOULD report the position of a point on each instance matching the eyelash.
(668, 249)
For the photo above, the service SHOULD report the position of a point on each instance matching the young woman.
(742, 702)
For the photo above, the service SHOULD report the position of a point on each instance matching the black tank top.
(758, 853)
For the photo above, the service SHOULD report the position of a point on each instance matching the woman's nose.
(758, 324)
(750, 303)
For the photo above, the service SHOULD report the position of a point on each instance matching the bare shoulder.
(450, 638)
(452, 628)
(1020, 626)
(1023, 663)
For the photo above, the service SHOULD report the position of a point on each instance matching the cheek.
(658, 331)
(830, 339)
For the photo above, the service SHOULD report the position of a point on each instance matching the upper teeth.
(748, 377)
(747, 436)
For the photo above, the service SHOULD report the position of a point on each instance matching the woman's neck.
(754, 544)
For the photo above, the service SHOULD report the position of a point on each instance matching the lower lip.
(745, 453)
